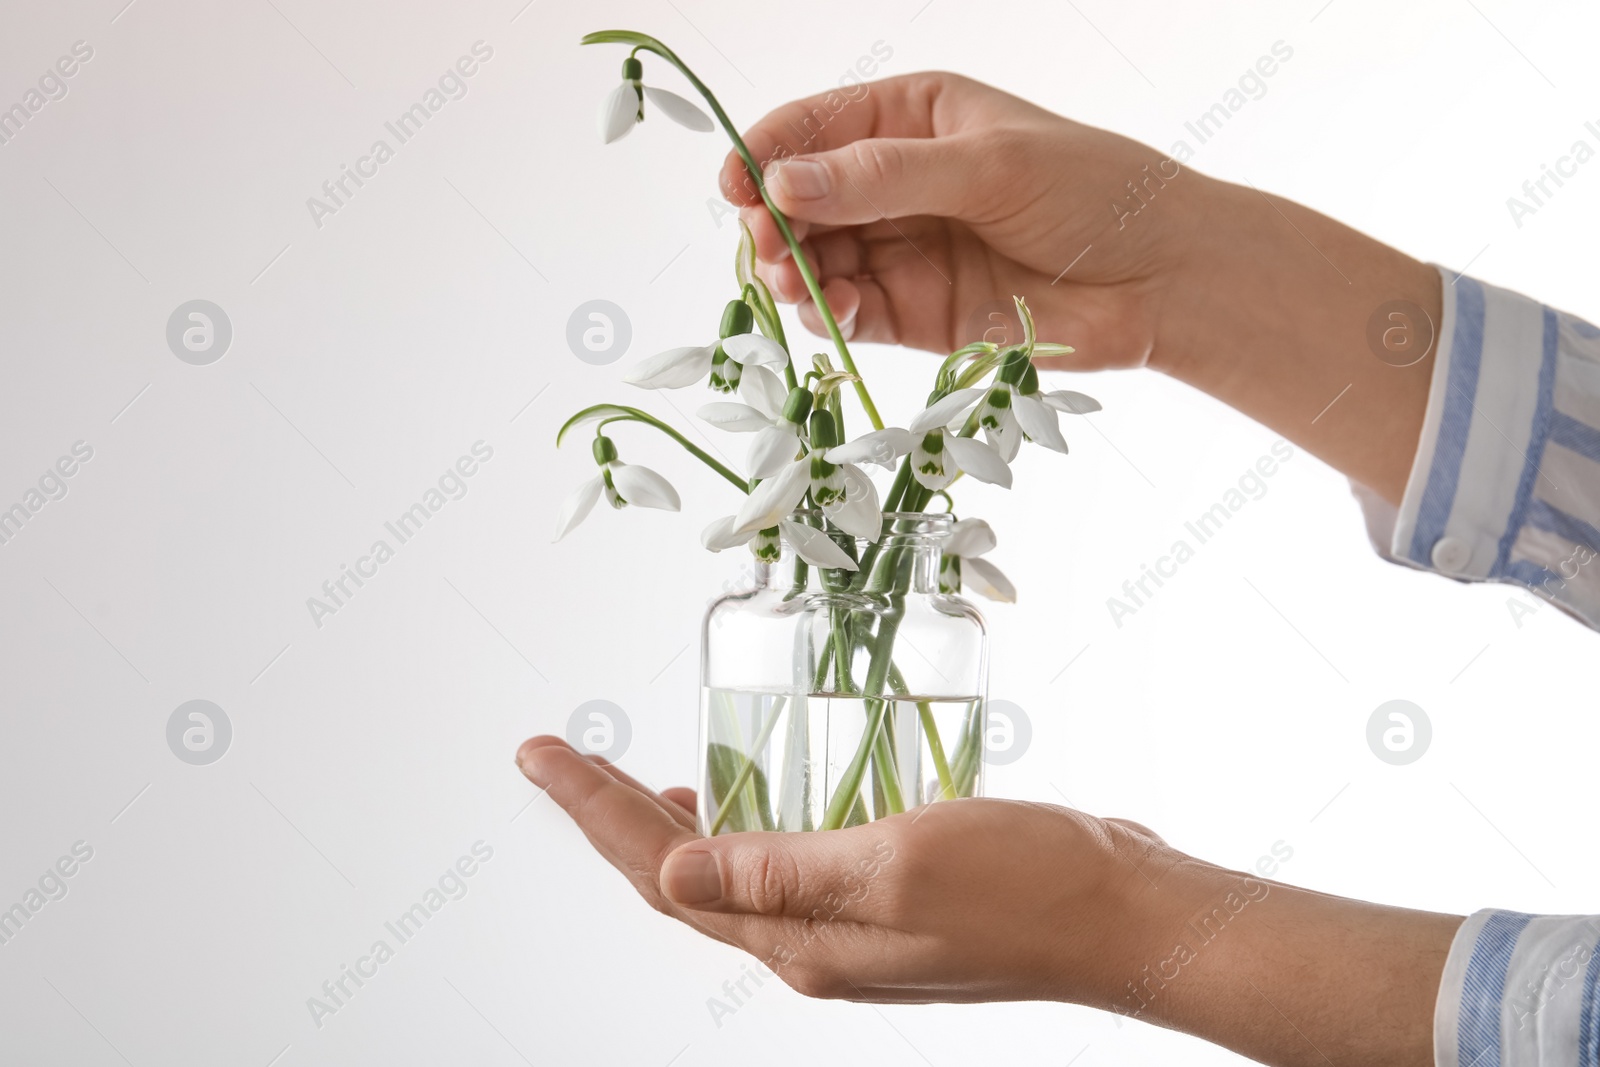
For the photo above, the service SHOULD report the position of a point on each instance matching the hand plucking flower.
(623, 108)
(960, 566)
(621, 484)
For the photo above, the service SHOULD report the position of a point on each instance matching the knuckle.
(769, 883)
(877, 161)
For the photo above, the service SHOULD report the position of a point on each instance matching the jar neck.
(905, 559)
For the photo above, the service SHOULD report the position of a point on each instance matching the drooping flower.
(939, 454)
(778, 437)
(808, 542)
(620, 483)
(721, 363)
(959, 564)
(623, 107)
(1015, 404)
(843, 491)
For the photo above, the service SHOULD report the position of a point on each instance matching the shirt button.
(1451, 554)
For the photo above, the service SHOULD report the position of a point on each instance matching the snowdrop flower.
(623, 108)
(842, 490)
(808, 542)
(938, 454)
(1015, 404)
(969, 539)
(775, 417)
(620, 483)
(721, 363)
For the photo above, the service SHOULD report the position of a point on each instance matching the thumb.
(880, 177)
(782, 874)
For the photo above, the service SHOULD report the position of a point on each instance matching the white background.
(368, 354)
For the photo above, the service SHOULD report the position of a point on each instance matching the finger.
(629, 829)
(770, 245)
(910, 105)
(873, 321)
(546, 740)
(629, 780)
(828, 875)
(844, 298)
(885, 177)
(683, 797)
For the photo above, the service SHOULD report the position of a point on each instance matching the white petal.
(719, 535)
(860, 515)
(1038, 422)
(883, 447)
(754, 350)
(986, 578)
(619, 112)
(774, 498)
(643, 487)
(578, 504)
(970, 537)
(815, 547)
(773, 447)
(672, 369)
(1070, 402)
(739, 418)
(946, 411)
(678, 109)
(764, 391)
(977, 459)
(1006, 438)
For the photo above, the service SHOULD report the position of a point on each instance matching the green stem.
(740, 779)
(877, 675)
(930, 729)
(622, 413)
(641, 42)
(883, 766)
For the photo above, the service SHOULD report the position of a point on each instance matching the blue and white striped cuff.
(1506, 482)
(1520, 991)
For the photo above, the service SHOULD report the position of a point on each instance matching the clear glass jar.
(832, 698)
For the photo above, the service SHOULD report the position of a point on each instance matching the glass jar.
(832, 698)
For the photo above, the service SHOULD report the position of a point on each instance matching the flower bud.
(822, 429)
(605, 450)
(736, 318)
(798, 406)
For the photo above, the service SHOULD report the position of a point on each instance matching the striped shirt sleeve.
(1520, 991)
(1505, 486)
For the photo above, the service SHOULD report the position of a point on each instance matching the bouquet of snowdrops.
(807, 484)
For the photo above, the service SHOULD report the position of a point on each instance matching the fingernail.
(800, 179)
(692, 877)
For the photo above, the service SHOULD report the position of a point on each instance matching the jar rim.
(900, 527)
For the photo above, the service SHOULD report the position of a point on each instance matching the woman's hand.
(959, 901)
(931, 197)
(928, 202)
(972, 900)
